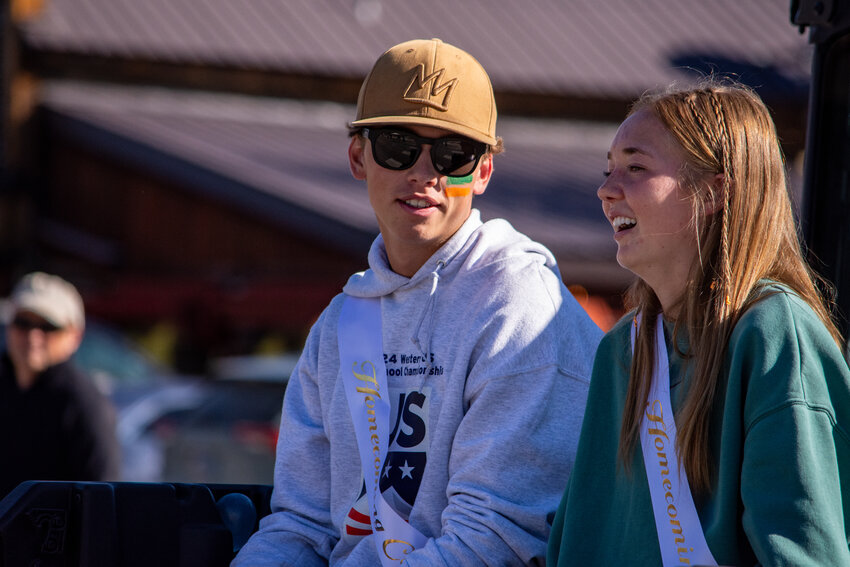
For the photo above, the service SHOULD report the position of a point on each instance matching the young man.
(55, 424)
(433, 415)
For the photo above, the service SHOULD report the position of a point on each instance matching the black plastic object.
(88, 524)
(239, 516)
(826, 200)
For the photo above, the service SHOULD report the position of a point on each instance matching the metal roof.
(285, 159)
(585, 48)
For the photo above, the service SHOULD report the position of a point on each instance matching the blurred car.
(143, 392)
(230, 435)
(177, 428)
(217, 429)
(164, 404)
(171, 427)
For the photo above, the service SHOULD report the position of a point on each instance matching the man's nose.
(423, 168)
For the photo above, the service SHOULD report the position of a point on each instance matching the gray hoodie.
(488, 358)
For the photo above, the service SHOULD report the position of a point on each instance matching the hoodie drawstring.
(422, 334)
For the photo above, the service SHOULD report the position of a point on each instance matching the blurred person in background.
(54, 423)
(433, 414)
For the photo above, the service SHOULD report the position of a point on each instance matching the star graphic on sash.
(387, 470)
(405, 470)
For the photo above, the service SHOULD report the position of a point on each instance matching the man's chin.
(37, 365)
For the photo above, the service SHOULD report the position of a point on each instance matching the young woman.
(729, 334)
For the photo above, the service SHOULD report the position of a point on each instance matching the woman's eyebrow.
(631, 151)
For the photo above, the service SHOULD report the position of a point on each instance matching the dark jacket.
(62, 428)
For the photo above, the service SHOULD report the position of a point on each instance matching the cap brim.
(37, 306)
(425, 121)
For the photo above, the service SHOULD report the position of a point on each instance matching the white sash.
(361, 359)
(679, 531)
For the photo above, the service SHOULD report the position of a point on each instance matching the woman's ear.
(716, 198)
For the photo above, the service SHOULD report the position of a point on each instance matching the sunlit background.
(183, 162)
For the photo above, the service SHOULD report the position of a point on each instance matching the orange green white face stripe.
(458, 186)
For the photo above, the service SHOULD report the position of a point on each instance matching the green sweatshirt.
(780, 439)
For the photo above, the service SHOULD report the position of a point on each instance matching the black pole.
(6, 54)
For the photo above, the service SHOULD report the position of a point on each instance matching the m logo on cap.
(417, 91)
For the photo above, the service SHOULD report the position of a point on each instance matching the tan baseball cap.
(428, 82)
(50, 297)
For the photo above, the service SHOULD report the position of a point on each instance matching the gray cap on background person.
(55, 300)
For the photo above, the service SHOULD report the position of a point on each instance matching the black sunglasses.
(25, 324)
(398, 149)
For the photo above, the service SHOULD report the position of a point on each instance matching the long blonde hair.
(724, 128)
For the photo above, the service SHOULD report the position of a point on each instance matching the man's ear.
(482, 177)
(357, 157)
(78, 337)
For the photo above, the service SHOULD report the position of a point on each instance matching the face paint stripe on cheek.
(458, 186)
